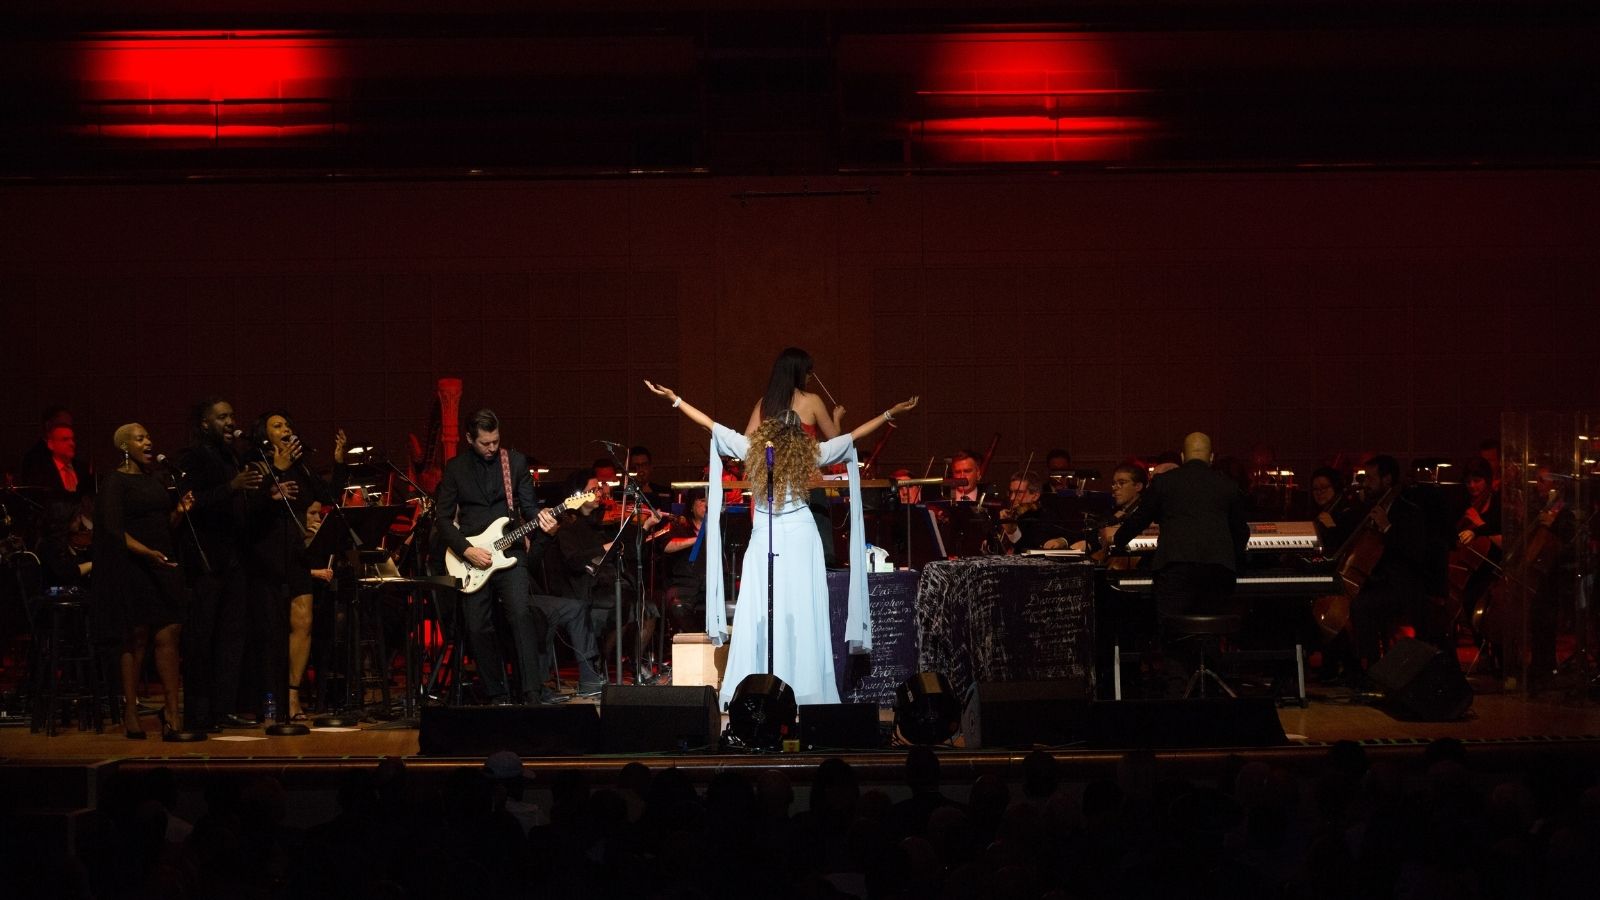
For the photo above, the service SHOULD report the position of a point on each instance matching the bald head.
(1197, 446)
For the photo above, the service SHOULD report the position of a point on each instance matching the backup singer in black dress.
(281, 584)
(138, 587)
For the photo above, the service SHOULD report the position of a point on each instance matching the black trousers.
(1190, 589)
(214, 645)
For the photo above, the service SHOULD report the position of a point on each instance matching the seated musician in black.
(583, 542)
(1127, 489)
(1479, 535)
(685, 576)
(1338, 513)
(1411, 569)
(642, 470)
(1058, 471)
(1031, 521)
(1202, 543)
(472, 495)
(965, 470)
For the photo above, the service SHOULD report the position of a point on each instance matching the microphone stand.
(772, 560)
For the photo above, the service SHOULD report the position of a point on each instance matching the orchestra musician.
(685, 570)
(1058, 470)
(1030, 521)
(52, 460)
(589, 603)
(1127, 489)
(472, 495)
(967, 472)
(1479, 535)
(1410, 571)
(1338, 511)
(138, 586)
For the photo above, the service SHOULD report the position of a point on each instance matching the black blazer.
(472, 495)
(1201, 514)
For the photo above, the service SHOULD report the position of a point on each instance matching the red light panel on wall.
(207, 87)
(1023, 98)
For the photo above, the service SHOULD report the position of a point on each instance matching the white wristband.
(887, 417)
(676, 401)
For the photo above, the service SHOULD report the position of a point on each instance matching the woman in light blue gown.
(802, 653)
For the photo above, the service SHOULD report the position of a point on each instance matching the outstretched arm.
(695, 415)
(885, 417)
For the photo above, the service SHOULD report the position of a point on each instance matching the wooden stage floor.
(1510, 718)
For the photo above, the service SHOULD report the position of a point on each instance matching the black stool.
(1208, 631)
(69, 675)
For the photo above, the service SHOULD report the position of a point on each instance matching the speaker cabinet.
(839, 726)
(528, 730)
(1024, 713)
(1421, 682)
(646, 718)
(1177, 724)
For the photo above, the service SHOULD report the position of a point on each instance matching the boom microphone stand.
(772, 564)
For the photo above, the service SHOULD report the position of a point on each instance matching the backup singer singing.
(138, 587)
(802, 652)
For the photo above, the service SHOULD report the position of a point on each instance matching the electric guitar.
(496, 539)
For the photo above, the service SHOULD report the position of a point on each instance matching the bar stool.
(65, 673)
(1209, 632)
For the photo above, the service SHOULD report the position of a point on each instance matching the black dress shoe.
(232, 721)
(502, 700)
(135, 735)
(551, 698)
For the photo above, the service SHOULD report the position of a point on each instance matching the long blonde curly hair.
(794, 459)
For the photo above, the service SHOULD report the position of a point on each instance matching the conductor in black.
(1203, 533)
(472, 494)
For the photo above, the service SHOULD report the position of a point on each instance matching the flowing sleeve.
(723, 441)
(858, 617)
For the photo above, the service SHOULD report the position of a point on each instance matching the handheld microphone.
(769, 454)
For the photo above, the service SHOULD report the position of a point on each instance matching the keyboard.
(1265, 537)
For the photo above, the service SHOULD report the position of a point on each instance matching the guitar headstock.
(578, 500)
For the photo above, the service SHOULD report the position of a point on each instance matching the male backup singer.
(214, 637)
(472, 495)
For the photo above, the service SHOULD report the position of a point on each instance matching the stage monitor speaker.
(1024, 713)
(1176, 724)
(648, 718)
(528, 730)
(840, 726)
(1421, 682)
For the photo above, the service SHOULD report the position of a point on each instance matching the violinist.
(1029, 523)
(1127, 488)
(1339, 511)
(584, 541)
(685, 570)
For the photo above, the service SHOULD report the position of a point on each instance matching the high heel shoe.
(173, 735)
(132, 734)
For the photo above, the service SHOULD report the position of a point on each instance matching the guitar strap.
(511, 504)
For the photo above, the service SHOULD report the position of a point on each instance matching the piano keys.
(1265, 537)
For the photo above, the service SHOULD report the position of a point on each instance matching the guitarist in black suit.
(472, 495)
(1203, 537)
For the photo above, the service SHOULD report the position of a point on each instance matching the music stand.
(360, 527)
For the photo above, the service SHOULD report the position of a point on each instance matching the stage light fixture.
(762, 715)
(926, 710)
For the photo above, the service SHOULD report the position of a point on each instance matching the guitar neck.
(516, 534)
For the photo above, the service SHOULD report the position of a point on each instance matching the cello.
(1356, 561)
